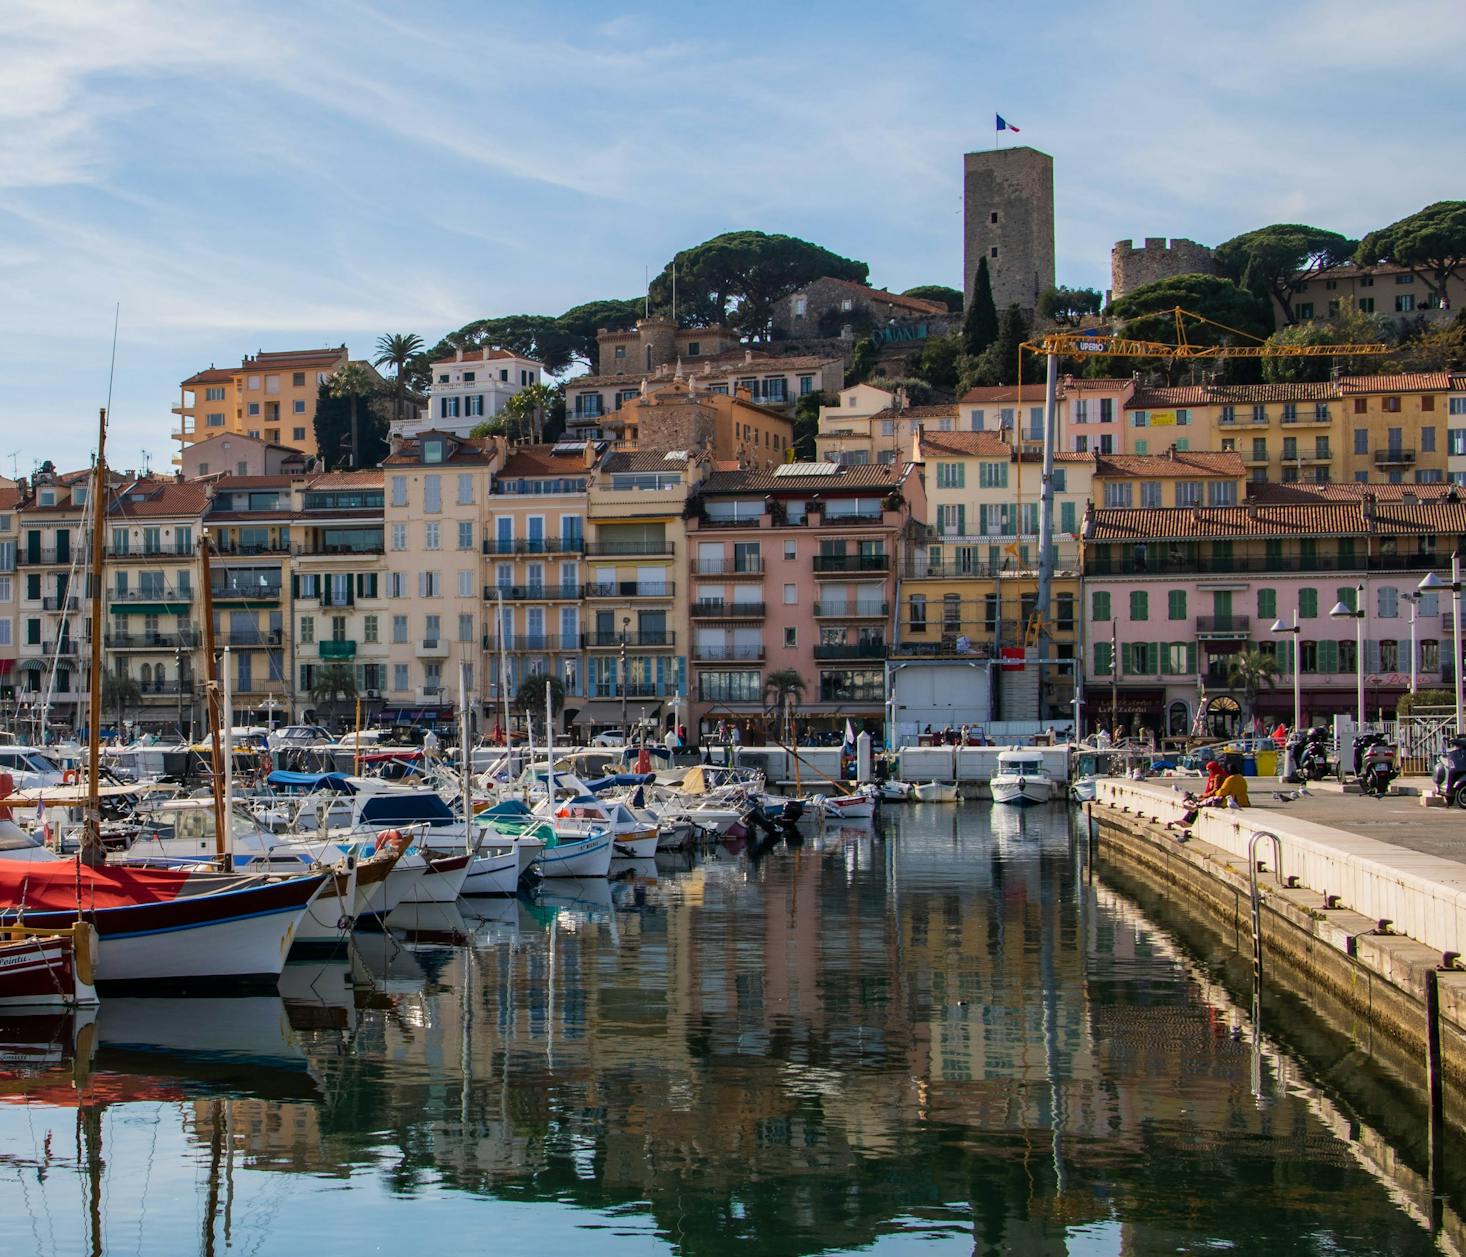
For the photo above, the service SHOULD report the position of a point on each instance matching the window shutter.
(1101, 605)
(1103, 663)
(1267, 604)
(1371, 656)
(1152, 657)
(294, 586)
(1191, 658)
(1328, 655)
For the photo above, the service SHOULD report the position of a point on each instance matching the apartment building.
(1456, 431)
(1090, 417)
(883, 435)
(1175, 477)
(685, 417)
(248, 519)
(1394, 292)
(269, 396)
(338, 587)
(1173, 593)
(10, 500)
(439, 501)
(794, 570)
(153, 600)
(235, 454)
(470, 387)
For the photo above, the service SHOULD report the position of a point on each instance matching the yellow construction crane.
(1056, 344)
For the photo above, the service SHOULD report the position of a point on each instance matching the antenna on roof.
(14, 457)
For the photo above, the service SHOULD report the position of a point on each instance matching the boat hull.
(935, 792)
(492, 873)
(586, 857)
(42, 972)
(850, 807)
(642, 846)
(1022, 790)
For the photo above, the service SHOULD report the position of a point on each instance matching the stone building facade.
(1008, 217)
(1157, 258)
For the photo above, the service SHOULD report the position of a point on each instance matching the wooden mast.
(93, 853)
(215, 701)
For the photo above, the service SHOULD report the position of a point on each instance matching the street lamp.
(1342, 611)
(1293, 630)
(1413, 599)
(1433, 582)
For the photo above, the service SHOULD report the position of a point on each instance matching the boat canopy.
(602, 784)
(408, 808)
(337, 783)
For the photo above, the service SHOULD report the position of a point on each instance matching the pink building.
(794, 571)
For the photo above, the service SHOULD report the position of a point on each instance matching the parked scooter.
(1375, 764)
(1309, 751)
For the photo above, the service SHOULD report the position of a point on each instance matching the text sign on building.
(1162, 418)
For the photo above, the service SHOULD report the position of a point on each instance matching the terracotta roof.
(1081, 384)
(541, 460)
(169, 499)
(916, 305)
(1350, 491)
(965, 444)
(227, 483)
(485, 355)
(848, 478)
(213, 375)
(1005, 393)
(1408, 382)
(638, 460)
(470, 450)
(1262, 519)
(1173, 463)
(293, 357)
(723, 367)
(9, 497)
(938, 410)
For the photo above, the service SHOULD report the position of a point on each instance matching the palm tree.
(334, 680)
(528, 406)
(396, 351)
(119, 692)
(784, 688)
(1250, 671)
(354, 381)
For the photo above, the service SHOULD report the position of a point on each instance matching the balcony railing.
(851, 610)
(1393, 457)
(1307, 417)
(159, 689)
(150, 595)
(48, 554)
(1223, 625)
(250, 593)
(321, 550)
(248, 637)
(187, 640)
(832, 519)
(838, 564)
(334, 648)
(629, 549)
(234, 549)
(136, 552)
(533, 593)
(71, 601)
(636, 689)
(493, 546)
(633, 641)
(728, 654)
(743, 521)
(851, 650)
(630, 589)
(531, 643)
(716, 609)
(1160, 565)
(728, 567)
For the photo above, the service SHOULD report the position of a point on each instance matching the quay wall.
(1351, 926)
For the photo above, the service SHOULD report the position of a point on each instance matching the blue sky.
(287, 175)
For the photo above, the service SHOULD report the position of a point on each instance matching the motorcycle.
(1309, 751)
(1375, 764)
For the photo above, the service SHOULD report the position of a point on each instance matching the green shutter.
(1139, 604)
(1067, 517)
(1308, 603)
(1176, 604)
(1328, 656)
(1103, 660)
(1191, 658)
(1267, 604)
(1101, 604)
(1347, 595)
(1152, 658)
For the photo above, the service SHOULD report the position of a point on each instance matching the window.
(1365, 304)
(429, 585)
(990, 475)
(1389, 602)
(1404, 303)
(430, 536)
(1427, 440)
(791, 637)
(465, 534)
(1103, 659)
(1390, 405)
(1117, 494)
(1100, 605)
(1150, 493)
(1139, 604)
(953, 475)
(465, 626)
(254, 408)
(993, 252)
(1176, 604)
(399, 490)
(791, 549)
(1267, 605)
(1189, 492)
(791, 595)
(432, 491)
(369, 628)
(465, 583)
(1304, 310)
(399, 628)
(1308, 604)
(214, 420)
(307, 629)
(399, 536)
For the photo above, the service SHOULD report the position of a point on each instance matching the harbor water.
(940, 1034)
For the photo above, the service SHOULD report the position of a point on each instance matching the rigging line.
(112, 369)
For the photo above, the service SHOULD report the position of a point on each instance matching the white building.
(473, 385)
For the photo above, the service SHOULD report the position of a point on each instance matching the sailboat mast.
(93, 853)
(211, 690)
(465, 751)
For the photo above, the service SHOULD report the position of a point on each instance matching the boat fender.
(84, 947)
(1023, 783)
(70, 777)
(345, 924)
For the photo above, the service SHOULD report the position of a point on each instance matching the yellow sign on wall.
(1162, 418)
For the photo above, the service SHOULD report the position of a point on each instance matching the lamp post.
(1434, 582)
(1413, 598)
(1293, 630)
(1342, 611)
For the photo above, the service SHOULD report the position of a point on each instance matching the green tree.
(530, 697)
(1349, 326)
(1148, 313)
(999, 362)
(537, 336)
(528, 407)
(784, 689)
(862, 362)
(735, 279)
(579, 325)
(1251, 671)
(938, 362)
(332, 682)
(1432, 347)
(1431, 242)
(980, 326)
(396, 351)
(949, 297)
(807, 424)
(361, 441)
(497, 426)
(119, 692)
(1068, 305)
(1278, 260)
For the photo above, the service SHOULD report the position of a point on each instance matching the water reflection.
(934, 1028)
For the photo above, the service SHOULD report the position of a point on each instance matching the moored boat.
(936, 792)
(1022, 778)
(47, 969)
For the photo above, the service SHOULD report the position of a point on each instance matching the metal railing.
(1224, 625)
(630, 589)
(629, 549)
(851, 650)
(709, 609)
(494, 546)
(827, 564)
(1393, 457)
(150, 595)
(726, 654)
(852, 610)
(604, 641)
(533, 593)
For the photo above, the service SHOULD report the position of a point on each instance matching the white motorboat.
(1022, 778)
(859, 806)
(936, 792)
(589, 856)
(892, 791)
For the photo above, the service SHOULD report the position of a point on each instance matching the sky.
(236, 177)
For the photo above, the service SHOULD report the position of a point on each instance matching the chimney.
(748, 355)
(1252, 508)
(1366, 507)
(590, 455)
(458, 355)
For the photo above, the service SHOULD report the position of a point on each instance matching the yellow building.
(269, 396)
(1175, 478)
(690, 418)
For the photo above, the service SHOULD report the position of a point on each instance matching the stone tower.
(1008, 217)
(1156, 259)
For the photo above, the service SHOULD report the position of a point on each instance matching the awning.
(32, 665)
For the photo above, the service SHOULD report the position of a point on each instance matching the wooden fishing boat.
(52, 968)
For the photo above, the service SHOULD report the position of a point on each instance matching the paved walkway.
(1402, 820)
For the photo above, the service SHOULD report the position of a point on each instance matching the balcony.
(1223, 626)
(430, 648)
(1315, 455)
(248, 637)
(50, 555)
(149, 594)
(1394, 457)
(630, 549)
(716, 609)
(431, 695)
(145, 555)
(493, 546)
(635, 690)
(186, 640)
(232, 549)
(531, 643)
(344, 648)
(533, 593)
(851, 610)
(709, 522)
(1247, 420)
(860, 519)
(728, 654)
(166, 689)
(1257, 458)
(318, 550)
(753, 567)
(845, 564)
(1307, 419)
(71, 601)
(630, 589)
(851, 650)
(633, 641)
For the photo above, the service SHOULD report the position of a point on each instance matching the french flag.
(1005, 125)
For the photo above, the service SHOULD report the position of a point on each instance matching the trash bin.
(1267, 763)
(1249, 765)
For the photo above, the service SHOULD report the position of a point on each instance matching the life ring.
(70, 777)
(563, 813)
(394, 837)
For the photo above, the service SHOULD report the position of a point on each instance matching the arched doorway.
(1178, 720)
(1223, 714)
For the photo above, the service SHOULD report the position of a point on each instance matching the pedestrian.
(430, 746)
(735, 741)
